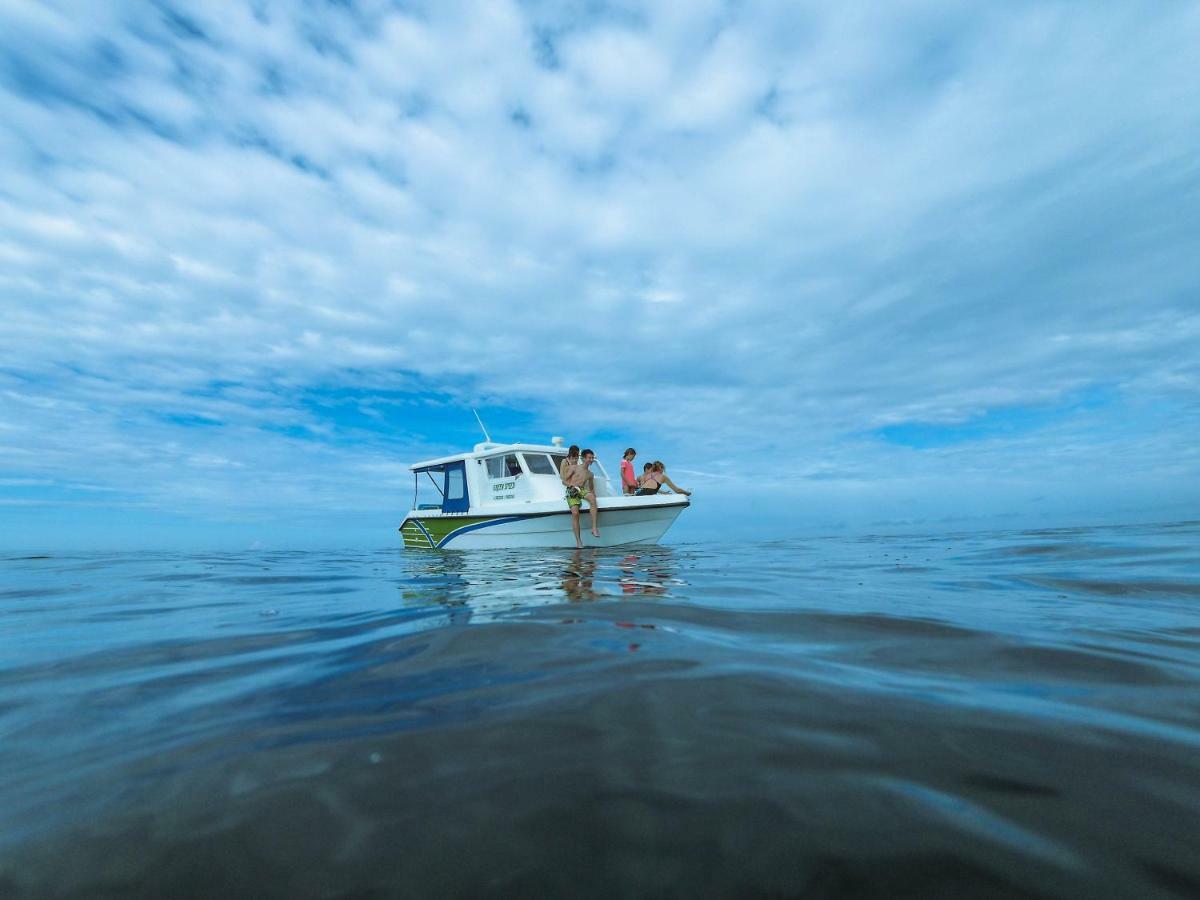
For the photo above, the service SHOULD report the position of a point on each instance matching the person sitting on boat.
(629, 482)
(580, 485)
(571, 459)
(660, 474)
(647, 482)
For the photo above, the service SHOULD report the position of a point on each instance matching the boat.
(510, 495)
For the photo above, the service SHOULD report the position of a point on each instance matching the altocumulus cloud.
(255, 256)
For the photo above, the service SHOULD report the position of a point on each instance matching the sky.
(914, 265)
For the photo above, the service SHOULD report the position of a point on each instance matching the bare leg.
(575, 526)
(591, 499)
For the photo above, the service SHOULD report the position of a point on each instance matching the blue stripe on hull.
(452, 535)
(424, 531)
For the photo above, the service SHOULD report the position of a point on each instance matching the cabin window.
(540, 464)
(456, 485)
(503, 466)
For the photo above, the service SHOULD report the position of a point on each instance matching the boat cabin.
(493, 476)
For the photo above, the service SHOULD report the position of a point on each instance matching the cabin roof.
(484, 450)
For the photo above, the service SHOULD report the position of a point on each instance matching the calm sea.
(995, 714)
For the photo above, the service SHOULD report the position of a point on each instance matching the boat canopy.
(454, 495)
(455, 484)
(485, 449)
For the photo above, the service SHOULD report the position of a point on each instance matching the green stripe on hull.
(438, 528)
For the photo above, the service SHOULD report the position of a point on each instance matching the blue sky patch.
(1002, 422)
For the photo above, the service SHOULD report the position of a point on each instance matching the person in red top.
(629, 482)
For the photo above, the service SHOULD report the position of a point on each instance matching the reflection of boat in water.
(510, 495)
(476, 587)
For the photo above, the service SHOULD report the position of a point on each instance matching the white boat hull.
(622, 520)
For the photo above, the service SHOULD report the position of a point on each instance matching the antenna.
(487, 437)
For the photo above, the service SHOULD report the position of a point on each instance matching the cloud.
(733, 231)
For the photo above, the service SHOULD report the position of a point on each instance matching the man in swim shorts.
(581, 485)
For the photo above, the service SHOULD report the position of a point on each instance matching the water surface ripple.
(1010, 713)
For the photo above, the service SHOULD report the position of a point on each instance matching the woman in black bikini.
(653, 481)
(649, 484)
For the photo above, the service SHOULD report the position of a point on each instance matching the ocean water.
(994, 714)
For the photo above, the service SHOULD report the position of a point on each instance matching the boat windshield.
(540, 464)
